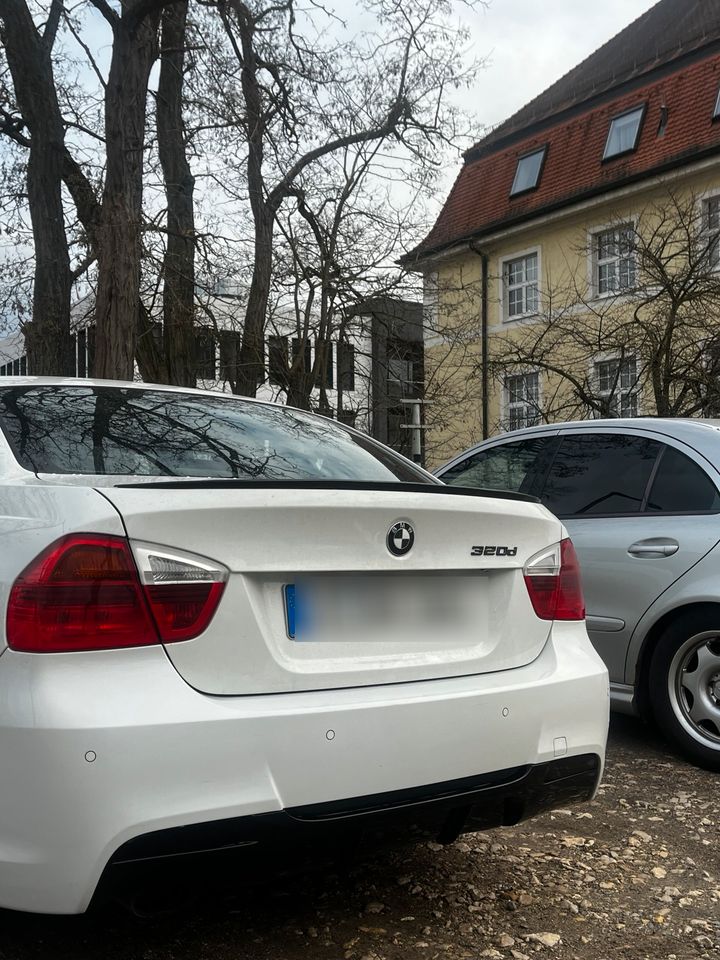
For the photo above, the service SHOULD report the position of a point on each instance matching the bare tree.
(302, 99)
(48, 334)
(179, 261)
(113, 224)
(652, 334)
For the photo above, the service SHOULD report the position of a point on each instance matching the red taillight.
(553, 582)
(183, 610)
(84, 593)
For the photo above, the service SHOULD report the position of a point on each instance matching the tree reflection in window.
(138, 432)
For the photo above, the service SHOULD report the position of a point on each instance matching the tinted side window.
(681, 486)
(599, 474)
(508, 466)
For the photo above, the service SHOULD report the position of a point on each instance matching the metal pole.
(416, 441)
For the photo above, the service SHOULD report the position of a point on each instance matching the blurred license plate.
(346, 609)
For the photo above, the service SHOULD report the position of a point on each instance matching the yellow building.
(573, 270)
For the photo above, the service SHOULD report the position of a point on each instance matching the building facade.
(368, 375)
(565, 238)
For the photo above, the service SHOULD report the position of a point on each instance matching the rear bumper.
(442, 811)
(103, 751)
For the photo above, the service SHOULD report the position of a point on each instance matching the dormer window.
(527, 172)
(624, 132)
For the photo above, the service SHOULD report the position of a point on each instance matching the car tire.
(685, 686)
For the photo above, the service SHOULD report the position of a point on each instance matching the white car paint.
(100, 747)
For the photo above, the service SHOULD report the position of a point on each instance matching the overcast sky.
(531, 43)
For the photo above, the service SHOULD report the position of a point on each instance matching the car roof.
(702, 435)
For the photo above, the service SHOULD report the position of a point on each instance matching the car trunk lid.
(317, 600)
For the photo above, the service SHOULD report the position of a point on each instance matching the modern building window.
(230, 341)
(522, 400)
(527, 172)
(348, 417)
(14, 368)
(616, 380)
(301, 345)
(81, 367)
(346, 365)
(711, 230)
(520, 282)
(91, 348)
(278, 360)
(324, 361)
(623, 133)
(205, 355)
(614, 260)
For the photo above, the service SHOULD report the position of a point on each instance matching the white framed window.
(617, 381)
(613, 254)
(711, 229)
(520, 286)
(522, 400)
(623, 132)
(527, 172)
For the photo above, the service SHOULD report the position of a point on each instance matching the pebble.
(546, 939)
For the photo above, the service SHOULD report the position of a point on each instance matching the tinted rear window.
(681, 486)
(109, 430)
(599, 474)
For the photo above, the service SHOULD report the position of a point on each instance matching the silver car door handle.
(653, 548)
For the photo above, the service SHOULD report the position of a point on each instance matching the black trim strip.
(447, 809)
(390, 487)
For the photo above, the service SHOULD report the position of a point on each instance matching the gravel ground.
(634, 874)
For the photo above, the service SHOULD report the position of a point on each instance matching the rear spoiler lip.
(359, 485)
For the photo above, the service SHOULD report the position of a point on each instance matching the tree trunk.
(179, 263)
(47, 336)
(251, 368)
(135, 49)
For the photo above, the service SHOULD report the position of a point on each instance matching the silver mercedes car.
(641, 501)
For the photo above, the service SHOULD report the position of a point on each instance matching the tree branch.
(107, 11)
(51, 27)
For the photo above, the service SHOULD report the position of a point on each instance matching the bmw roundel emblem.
(400, 538)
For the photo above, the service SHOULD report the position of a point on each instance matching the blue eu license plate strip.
(294, 611)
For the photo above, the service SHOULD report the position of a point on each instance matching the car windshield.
(155, 433)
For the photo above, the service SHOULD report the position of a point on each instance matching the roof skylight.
(623, 133)
(527, 172)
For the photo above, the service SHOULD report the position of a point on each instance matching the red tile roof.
(666, 31)
(480, 201)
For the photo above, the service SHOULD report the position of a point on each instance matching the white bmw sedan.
(227, 623)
